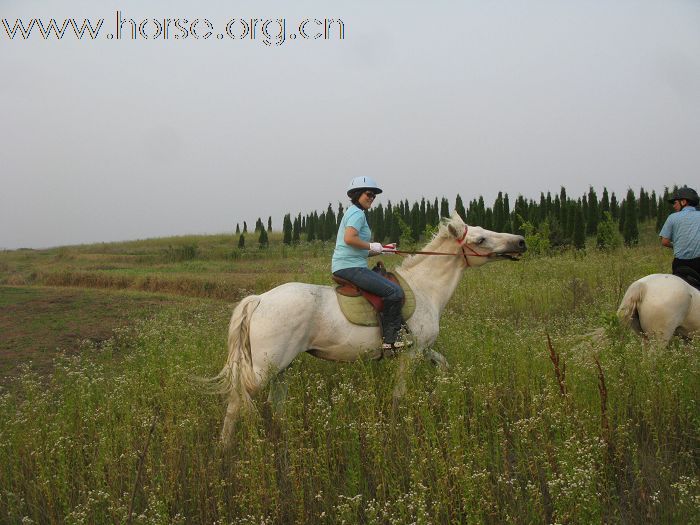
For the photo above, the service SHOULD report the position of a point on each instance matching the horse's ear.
(453, 230)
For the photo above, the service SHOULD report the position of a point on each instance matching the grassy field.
(531, 424)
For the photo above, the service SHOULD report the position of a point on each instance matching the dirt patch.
(36, 322)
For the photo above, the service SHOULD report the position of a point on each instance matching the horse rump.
(628, 311)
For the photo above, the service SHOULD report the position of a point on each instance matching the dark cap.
(686, 193)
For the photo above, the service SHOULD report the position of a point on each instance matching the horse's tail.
(628, 311)
(237, 378)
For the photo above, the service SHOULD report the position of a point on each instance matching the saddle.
(362, 307)
(688, 275)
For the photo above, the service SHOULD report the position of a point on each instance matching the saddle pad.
(359, 311)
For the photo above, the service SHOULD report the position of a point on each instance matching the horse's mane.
(438, 238)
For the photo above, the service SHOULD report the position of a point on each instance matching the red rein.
(459, 241)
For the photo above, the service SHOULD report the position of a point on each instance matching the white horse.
(661, 305)
(268, 331)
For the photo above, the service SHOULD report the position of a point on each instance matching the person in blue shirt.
(352, 248)
(681, 231)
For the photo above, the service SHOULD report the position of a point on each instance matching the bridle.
(464, 246)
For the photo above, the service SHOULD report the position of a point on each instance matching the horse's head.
(481, 246)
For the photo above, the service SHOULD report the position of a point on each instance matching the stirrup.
(393, 349)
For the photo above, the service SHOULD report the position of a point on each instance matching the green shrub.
(607, 235)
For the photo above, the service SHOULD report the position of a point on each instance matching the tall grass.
(501, 437)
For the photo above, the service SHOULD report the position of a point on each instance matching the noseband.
(464, 247)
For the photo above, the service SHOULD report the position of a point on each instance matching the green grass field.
(101, 420)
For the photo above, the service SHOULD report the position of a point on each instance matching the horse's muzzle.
(518, 247)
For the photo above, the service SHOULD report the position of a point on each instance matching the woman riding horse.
(353, 247)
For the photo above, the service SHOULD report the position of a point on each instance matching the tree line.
(558, 220)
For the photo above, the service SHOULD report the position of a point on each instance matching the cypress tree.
(241, 241)
(238, 229)
(322, 229)
(614, 207)
(541, 209)
(508, 224)
(480, 211)
(269, 224)
(604, 202)
(395, 225)
(296, 229)
(415, 222)
(488, 219)
(498, 216)
(631, 230)
(652, 205)
(423, 217)
(643, 211)
(287, 230)
(621, 220)
(564, 210)
(245, 227)
(388, 222)
(262, 240)
(570, 218)
(663, 210)
(311, 227)
(593, 212)
(472, 213)
(459, 207)
(533, 212)
(341, 212)
(330, 227)
(579, 228)
(378, 229)
(444, 208)
(519, 215)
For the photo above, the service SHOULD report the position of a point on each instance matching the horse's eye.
(481, 240)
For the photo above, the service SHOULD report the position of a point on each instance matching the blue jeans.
(389, 291)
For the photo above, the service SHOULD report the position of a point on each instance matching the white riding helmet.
(363, 183)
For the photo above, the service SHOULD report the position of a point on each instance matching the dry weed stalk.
(559, 372)
(139, 468)
(604, 422)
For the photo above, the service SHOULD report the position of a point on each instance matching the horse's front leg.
(437, 359)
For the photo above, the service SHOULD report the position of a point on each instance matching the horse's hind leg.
(663, 327)
(405, 366)
(240, 403)
(277, 393)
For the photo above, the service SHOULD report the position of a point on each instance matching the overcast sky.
(111, 139)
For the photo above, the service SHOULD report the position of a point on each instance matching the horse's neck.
(435, 276)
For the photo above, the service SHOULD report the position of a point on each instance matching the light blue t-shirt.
(683, 230)
(346, 256)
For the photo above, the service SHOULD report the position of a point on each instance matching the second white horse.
(660, 306)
